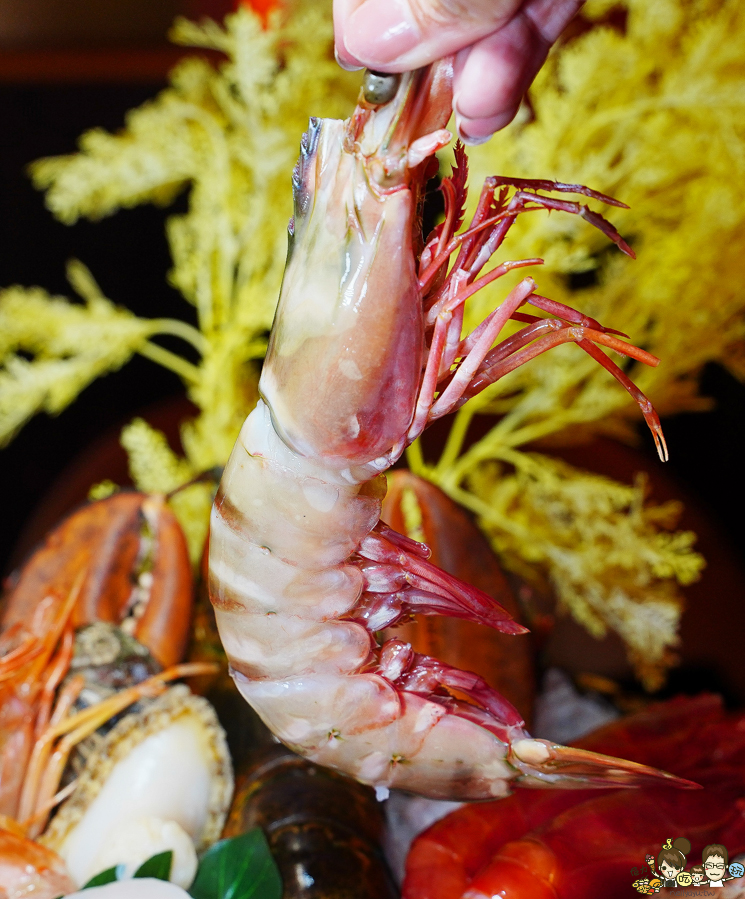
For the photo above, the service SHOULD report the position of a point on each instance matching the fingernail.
(379, 33)
(346, 63)
(478, 130)
(462, 126)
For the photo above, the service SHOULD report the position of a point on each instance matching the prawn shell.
(459, 547)
(294, 510)
(349, 312)
(286, 707)
(329, 593)
(16, 744)
(105, 538)
(324, 829)
(264, 654)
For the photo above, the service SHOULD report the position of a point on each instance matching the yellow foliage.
(653, 115)
(611, 566)
(230, 137)
(155, 468)
(51, 349)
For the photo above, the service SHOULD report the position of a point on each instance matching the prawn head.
(350, 291)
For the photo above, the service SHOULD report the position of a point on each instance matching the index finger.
(398, 35)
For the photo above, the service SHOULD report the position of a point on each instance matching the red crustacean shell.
(584, 843)
(28, 868)
(107, 539)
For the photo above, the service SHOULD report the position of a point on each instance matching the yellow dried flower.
(230, 136)
(156, 468)
(608, 562)
(653, 115)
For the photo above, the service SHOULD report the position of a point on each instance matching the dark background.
(127, 254)
(129, 257)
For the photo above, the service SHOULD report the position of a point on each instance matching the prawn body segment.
(366, 350)
(286, 605)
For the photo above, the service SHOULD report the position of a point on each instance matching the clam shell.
(144, 749)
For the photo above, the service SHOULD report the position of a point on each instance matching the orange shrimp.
(366, 350)
(33, 661)
(30, 869)
(122, 559)
(34, 714)
(80, 574)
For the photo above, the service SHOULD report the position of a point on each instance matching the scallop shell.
(102, 801)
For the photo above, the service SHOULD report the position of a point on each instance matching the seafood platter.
(333, 694)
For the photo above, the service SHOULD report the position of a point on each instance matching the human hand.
(499, 44)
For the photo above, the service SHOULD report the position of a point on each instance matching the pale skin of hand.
(499, 46)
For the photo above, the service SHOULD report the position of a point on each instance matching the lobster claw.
(137, 567)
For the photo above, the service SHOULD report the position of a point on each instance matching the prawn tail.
(400, 581)
(537, 763)
(570, 766)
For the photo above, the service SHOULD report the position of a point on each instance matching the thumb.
(398, 35)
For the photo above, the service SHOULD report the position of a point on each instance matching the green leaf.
(107, 876)
(238, 868)
(159, 866)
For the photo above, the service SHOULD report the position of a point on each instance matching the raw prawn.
(585, 844)
(366, 350)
